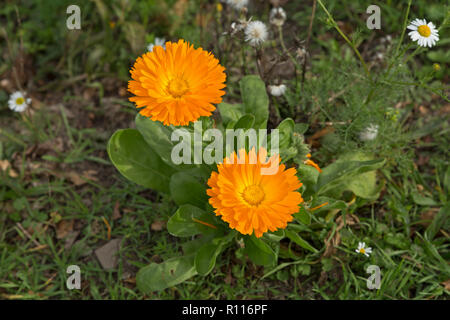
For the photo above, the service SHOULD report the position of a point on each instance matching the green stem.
(404, 28)
(350, 43)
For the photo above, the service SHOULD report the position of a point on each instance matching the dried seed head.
(277, 16)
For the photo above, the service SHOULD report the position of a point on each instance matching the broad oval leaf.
(189, 220)
(205, 259)
(303, 216)
(342, 174)
(300, 241)
(255, 99)
(245, 122)
(157, 277)
(186, 189)
(137, 161)
(230, 112)
(158, 136)
(259, 251)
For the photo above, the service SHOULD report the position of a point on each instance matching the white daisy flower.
(238, 4)
(370, 133)
(425, 34)
(277, 90)
(277, 16)
(362, 249)
(17, 102)
(256, 33)
(158, 42)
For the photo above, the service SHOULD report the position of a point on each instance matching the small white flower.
(256, 33)
(370, 133)
(380, 56)
(277, 16)
(17, 102)
(277, 90)
(425, 34)
(238, 4)
(158, 42)
(362, 249)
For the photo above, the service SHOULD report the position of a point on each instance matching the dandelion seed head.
(256, 33)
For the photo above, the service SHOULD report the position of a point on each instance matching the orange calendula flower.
(249, 201)
(177, 85)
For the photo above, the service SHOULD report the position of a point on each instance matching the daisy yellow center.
(362, 250)
(424, 31)
(178, 87)
(20, 100)
(254, 195)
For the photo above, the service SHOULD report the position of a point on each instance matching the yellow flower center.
(20, 100)
(362, 250)
(254, 195)
(178, 87)
(424, 31)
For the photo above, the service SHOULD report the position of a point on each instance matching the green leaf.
(347, 174)
(333, 204)
(158, 136)
(230, 112)
(137, 161)
(207, 254)
(301, 128)
(184, 222)
(255, 99)
(300, 241)
(245, 122)
(275, 236)
(303, 216)
(186, 189)
(259, 251)
(193, 246)
(286, 132)
(308, 176)
(440, 221)
(157, 277)
(423, 201)
(447, 180)
(398, 240)
(205, 258)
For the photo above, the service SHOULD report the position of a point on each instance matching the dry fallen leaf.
(80, 179)
(158, 225)
(5, 166)
(116, 212)
(332, 243)
(63, 228)
(428, 216)
(446, 284)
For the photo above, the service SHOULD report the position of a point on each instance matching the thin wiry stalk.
(350, 43)
(308, 38)
(404, 28)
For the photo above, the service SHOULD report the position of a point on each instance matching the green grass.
(407, 227)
